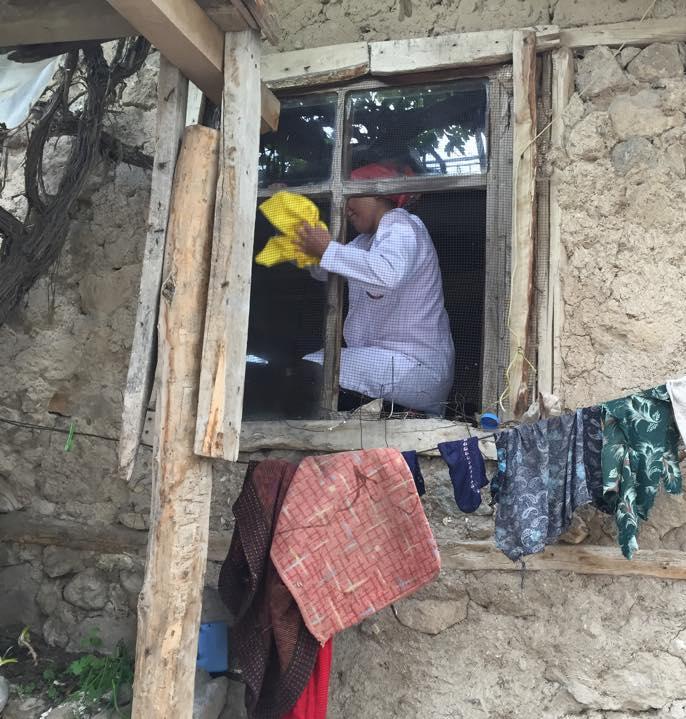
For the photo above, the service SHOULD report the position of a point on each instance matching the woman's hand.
(312, 240)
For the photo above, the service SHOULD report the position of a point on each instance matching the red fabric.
(314, 700)
(379, 171)
(352, 538)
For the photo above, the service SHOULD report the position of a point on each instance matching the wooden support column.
(170, 601)
(523, 213)
(220, 404)
(172, 90)
(563, 88)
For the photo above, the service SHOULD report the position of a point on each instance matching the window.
(452, 139)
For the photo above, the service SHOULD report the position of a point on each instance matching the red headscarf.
(381, 170)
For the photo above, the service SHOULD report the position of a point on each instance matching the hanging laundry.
(593, 445)
(542, 480)
(677, 393)
(467, 471)
(413, 463)
(287, 211)
(639, 449)
(314, 701)
(352, 538)
(273, 648)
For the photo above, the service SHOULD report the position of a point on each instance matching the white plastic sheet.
(21, 85)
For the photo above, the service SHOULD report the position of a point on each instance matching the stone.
(87, 590)
(235, 702)
(68, 710)
(641, 115)
(587, 139)
(18, 596)
(633, 152)
(4, 693)
(577, 531)
(655, 62)
(627, 54)
(599, 73)
(134, 520)
(213, 608)
(210, 695)
(26, 708)
(431, 616)
(58, 561)
(132, 582)
(11, 498)
(48, 596)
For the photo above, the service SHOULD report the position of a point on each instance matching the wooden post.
(172, 91)
(170, 602)
(523, 212)
(563, 87)
(220, 404)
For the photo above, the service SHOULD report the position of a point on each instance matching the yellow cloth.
(287, 211)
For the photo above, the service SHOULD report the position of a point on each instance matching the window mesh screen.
(422, 178)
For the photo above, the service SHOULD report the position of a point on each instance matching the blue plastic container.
(213, 647)
(490, 421)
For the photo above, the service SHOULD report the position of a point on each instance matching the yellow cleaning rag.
(287, 211)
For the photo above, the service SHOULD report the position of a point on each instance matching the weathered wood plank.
(171, 598)
(172, 89)
(259, 15)
(270, 109)
(316, 66)
(523, 212)
(643, 32)
(220, 404)
(469, 49)
(464, 556)
(563, 88)
(577, 558)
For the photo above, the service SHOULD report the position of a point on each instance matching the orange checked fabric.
(352, 538)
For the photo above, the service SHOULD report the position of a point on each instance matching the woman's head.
(366, 212)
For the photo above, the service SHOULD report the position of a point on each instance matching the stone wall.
(473, 644)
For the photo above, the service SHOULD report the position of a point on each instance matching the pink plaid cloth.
(352, 538)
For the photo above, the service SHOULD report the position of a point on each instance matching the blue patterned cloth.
(593, 446)
(541, 482)
(467, 471)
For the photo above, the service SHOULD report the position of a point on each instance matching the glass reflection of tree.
(426, 127)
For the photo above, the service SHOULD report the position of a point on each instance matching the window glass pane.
(287, 313)
(435, 129)
(300, 151)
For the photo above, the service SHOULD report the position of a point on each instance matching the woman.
(397, 333)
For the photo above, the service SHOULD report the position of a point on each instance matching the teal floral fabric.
(639, 450)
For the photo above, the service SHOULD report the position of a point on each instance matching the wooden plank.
(195, 107)
(644, 32)
(316, 66)
(563, 88)
(539, 335)
(172, 88)
(220, 404)
(184, 34)
(474, 556)
(393, 57)
(496, 340)
(270, 109)
(171, 598)
(523, 213)
(258, 14)
(577, 558)
(100, 538)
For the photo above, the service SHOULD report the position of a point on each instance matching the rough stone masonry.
(474, 644)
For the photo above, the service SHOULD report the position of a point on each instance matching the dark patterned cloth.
(274, 650)
(413, 463)
(542, 481)
(640, 439)
(593, 446)
(467, 471)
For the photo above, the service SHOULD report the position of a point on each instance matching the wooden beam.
(482, 556)
(316, 66)
(577, 558)
(644, 32)
(523, 212)
(99, 538)
(170, 601)
(469, 49)
(259, 15)
(172, 89)
(563, 88)
(220, 404)
(270, 109)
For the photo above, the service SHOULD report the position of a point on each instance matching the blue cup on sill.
(490, 421)
(213, 647)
